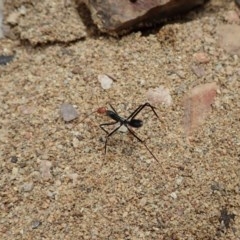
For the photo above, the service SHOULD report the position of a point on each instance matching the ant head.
(136, 123)
(102, 110)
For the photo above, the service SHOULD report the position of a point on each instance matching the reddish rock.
(197, 105)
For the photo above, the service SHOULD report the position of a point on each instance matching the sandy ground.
(194, 193)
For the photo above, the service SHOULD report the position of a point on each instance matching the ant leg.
(140, 108)
(108, 134)
(141, 141)
(136, 111)
(106, 124)
(113, 108)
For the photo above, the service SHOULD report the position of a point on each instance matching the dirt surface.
(56, 182)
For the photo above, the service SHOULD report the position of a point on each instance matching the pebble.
(35, 224)
(201, 57)
(45, 169)
(198, 70)
(14, 159)
(15, 171)
(51, 194)
(197, 105)
(229, 38)
(179, 180)
(159, 95)
(143, 201)
(75, 142)
(123, 129)
(105, 81)
(6, 59)
(173, 195)
(27, 187)
(68, 112)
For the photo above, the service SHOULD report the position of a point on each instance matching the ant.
(129, 122)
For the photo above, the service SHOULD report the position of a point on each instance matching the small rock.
(229, 38)
(105, 81)
(113, 200)
(27, 187)
(58, 183)
(201, 57)
(6, 59)
(35, 175)
(179, 180)
(35, 224)
(14, 159)
(45, 169)
(181, 74)
(51, 194)
(173, 195)
(160, 95)
(77, 70)
(123, 129)
(197, 105)
(68, 112)
(198, 70)
(22, 164)
(143, 202)
(26, 109)
(75, 142)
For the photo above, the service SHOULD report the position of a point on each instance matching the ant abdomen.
(136, 123)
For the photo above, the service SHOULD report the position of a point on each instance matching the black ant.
(129, 122)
